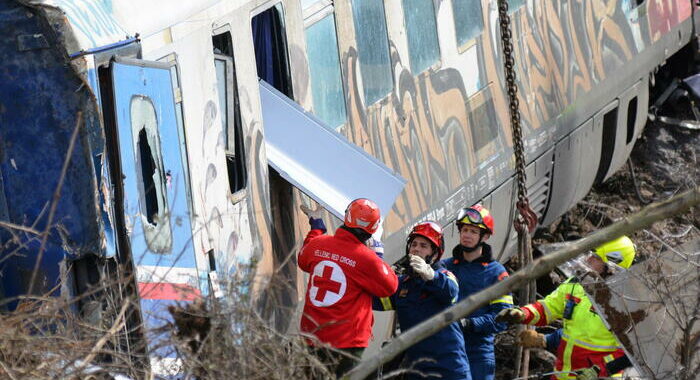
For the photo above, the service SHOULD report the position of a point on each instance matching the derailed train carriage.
(181, 139)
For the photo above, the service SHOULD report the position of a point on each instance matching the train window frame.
(490, 148)
(234, 143)
(175, 76)
(383, 35)
(411, 59)
(314, 16)
(470, 41)
(280, 47)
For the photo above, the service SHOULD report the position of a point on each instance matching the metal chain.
(529, 218)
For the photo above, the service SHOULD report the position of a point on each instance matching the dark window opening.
(483, 128)
(271, 50)
(229, 107)
(273, 67)
(631, 119)
(148, 170)
(608, 145)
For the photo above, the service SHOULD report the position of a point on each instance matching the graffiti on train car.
(428, 129)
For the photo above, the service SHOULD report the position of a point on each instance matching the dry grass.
(212, 339)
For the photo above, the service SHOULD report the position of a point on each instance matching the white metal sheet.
(320, 161)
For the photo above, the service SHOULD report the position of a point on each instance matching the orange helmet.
(477, 215)
(363, 214)
(431, 231)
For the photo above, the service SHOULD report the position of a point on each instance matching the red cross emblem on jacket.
(328, 284)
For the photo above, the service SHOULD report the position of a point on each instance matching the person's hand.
(313, 214)
(421, 268)
(531, 339)
(590, 373)
(315, 220)
(377, 246)
(466, 325)
(512, 315)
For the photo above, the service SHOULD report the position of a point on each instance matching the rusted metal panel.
(653, 309)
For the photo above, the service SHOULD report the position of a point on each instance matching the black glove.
(512, 315)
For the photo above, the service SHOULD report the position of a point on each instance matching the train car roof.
(86, 25)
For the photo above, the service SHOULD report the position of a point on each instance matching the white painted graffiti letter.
(328, 284)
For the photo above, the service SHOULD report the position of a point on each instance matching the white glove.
(421, 268)
(377, 246)
(314, 214)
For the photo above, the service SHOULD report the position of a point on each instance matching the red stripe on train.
(168, 291)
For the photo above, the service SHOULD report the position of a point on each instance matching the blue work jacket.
(473, 277)
(415, 301)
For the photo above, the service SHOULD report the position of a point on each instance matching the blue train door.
(154, 229)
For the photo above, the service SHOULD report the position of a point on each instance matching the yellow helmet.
(620, 251)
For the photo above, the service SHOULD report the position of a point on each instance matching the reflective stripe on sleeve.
(589, 346)
(547, 312)
(503, 299)
(535, 314)
(451, 276)
(386, 303)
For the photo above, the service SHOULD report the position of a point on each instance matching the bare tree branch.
(54, 201)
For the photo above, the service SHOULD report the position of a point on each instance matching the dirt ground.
(664, 162)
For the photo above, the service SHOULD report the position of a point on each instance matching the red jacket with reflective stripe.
(343, 276)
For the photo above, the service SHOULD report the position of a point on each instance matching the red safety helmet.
(431, 231)
(363, 214)
(477, 215)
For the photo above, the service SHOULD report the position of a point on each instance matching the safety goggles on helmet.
(620, 251)
(469, 215)
(614, 257)
(584, 264)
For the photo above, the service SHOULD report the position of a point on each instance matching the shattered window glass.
(152, 178)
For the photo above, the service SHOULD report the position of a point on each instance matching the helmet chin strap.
(430, 258)
(476, 246)
(471, 249)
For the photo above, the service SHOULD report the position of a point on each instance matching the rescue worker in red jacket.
(344, 275)
(585, 341)
(473, 264)
(425, 289)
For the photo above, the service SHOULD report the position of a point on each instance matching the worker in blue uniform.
(473, 264)
(426, 289)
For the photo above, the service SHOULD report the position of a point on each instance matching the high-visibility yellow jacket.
(585, 340)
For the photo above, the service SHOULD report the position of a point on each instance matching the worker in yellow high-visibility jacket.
(585, 340)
